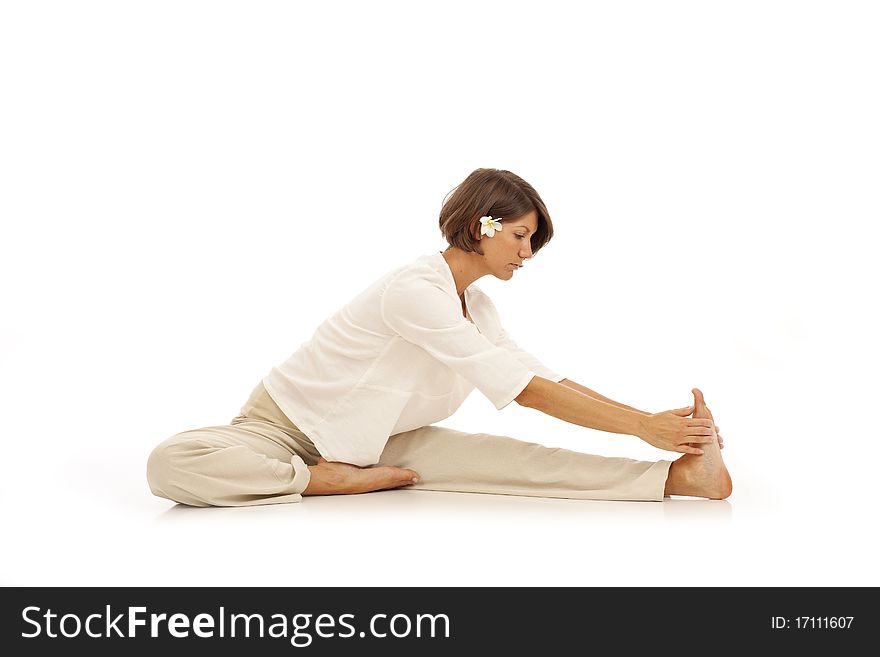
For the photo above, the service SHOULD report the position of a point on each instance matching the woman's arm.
(671, 430)
(566, 403)
(595, 395)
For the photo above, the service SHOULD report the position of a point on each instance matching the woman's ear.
(475, 231)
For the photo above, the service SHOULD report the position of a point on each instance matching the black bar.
(689, 620)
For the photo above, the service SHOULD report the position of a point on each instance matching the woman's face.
(509, 246)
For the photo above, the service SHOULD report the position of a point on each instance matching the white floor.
(800, 443)
(87, 523)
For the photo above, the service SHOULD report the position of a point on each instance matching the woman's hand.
(674, 431)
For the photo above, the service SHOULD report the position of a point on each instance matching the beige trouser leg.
(450, 460)
(259, 458)
(262, 458)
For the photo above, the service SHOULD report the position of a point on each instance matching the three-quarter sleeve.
(428, 315)
(526, 358)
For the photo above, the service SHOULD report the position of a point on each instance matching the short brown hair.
(493, 192)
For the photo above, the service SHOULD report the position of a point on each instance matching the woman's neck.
(465, 267)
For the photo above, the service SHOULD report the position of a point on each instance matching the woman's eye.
(520, 236)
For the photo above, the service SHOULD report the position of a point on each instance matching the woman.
(351, 411)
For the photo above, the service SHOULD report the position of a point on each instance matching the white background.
(190, 188)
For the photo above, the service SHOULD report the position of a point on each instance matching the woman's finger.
(693, 446)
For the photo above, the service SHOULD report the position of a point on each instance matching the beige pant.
(262, 458)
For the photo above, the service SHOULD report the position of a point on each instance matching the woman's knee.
(159, 467)
(166, 468)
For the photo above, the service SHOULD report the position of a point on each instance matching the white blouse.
(399, 356)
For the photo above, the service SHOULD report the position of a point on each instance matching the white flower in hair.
(489, 226)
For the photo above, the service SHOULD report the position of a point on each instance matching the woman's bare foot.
(334, 478)
(700, 475)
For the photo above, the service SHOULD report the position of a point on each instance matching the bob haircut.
(493, 192)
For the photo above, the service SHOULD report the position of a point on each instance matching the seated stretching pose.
(352, 410)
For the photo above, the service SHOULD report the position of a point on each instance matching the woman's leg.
(449, 460)
(236, 465)
(260, 458)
